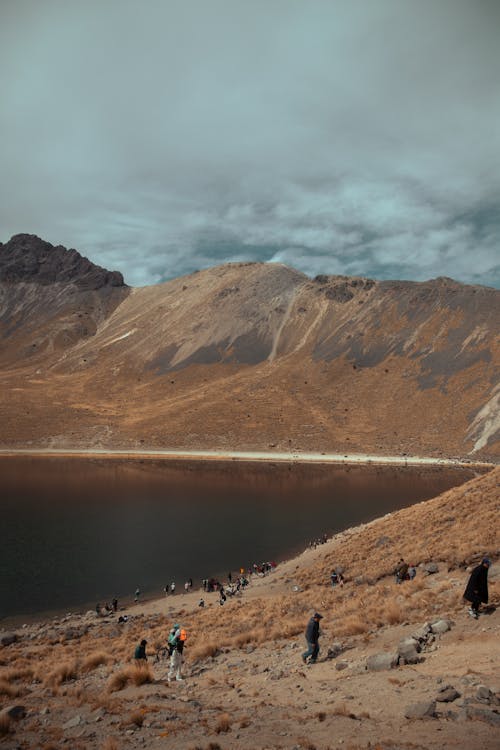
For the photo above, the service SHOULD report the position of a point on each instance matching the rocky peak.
(27, 258)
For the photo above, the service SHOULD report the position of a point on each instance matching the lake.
(77, 531)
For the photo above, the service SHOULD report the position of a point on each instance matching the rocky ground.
(401, 666)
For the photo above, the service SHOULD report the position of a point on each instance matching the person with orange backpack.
(176, 641)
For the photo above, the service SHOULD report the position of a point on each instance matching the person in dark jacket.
(312, 638)
(476, 590)
(140, 652)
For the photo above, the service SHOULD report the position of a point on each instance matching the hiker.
(98, 609)
(137, 594)
(412, 572)
(476, 590)
(401, 571)
(336, 578)
(201, 603)
(140, 652)
(176, 640)
(114, 604)
(186, 587)
(312, 638)
(172, 588)
(222, 596)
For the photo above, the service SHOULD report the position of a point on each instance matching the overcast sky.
(357, 137)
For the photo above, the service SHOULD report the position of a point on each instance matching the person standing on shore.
(476, 590)
(312, 638)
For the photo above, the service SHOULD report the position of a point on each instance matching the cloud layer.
(337, 137)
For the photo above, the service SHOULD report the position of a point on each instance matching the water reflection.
(78, 531)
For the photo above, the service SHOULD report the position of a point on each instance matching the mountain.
(244, 356)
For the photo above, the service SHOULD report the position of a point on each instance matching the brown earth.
(244, 357)
(245, 685)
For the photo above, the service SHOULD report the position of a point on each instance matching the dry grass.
(94, 660)
(137, 675)
(110, 743)
(64, 672)
(9, 690)
(137, 718)
(223, 723)
(203, 652)
(5, 724)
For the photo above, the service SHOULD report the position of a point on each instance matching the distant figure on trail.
(114, 604)
(222, 596)
(140, 652)
(476, 590)
(137, 594)
(172, 588)
(401, 571)
(412, 572)
(176, 641)
(166, 589)
(312, 637)
(186, 587)
(336, 578)
(201, 603)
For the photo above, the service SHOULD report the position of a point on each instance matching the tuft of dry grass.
(5, 724)
(137, 718)
(94, 660)
(223, 723)
(64, 672)
(9, 690)
(110, 743)
(137, 675)
(203, 652)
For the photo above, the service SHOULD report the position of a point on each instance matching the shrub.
(62, 673)
(223, 724)
(92, 661)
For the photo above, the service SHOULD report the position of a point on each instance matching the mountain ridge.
(247, 355)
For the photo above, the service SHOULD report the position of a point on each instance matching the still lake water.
(77, 531)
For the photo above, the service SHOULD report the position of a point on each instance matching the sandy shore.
(266, 456)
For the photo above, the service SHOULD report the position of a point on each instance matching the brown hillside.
(252, 356)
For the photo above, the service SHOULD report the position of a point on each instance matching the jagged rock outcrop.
(25, 258)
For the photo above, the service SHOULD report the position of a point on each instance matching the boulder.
(379, 662)
(422, 633)
(72, 723)
(430, 568)
(490, 716)
(447, 694)
(408, 651)
(423, 710)
(440, 626)
(483, 694)
(6, 639)
(14, 712)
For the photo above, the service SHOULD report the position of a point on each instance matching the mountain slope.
(255, 355)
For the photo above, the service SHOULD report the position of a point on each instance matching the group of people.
(106, 609)
(404, 572)
(319, 540)
(175, 643)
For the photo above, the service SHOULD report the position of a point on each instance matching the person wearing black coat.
(476, 590)
(312, 638)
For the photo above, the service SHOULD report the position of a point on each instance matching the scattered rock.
(13, 712)
(6, 639)
(490, 716)
(484, 694)
(430, 568)
(447, 694)
(440, 626)
(74, 722)
(379, 662)
(341, 665)
(408, 651)
(423, 710)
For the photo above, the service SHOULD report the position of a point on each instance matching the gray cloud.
(337, 137)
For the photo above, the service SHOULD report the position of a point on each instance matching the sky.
(356, 137)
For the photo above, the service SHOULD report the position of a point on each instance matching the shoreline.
(250, 456)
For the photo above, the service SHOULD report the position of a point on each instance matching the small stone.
(14, 712)
(341, 665)
(431, 568)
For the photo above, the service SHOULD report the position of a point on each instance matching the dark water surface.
(78, 531)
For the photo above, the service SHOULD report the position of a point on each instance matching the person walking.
(137, 594)
(476, 590)
(312, 637)
(140, 653)
(176, 641)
